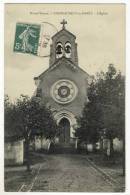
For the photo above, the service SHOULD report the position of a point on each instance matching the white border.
(1, 97)
(66, 1)
(127, 2)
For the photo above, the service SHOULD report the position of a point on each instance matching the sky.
(99, 31)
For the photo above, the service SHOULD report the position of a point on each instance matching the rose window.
(64, 91)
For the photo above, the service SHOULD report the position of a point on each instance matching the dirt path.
(70, 173)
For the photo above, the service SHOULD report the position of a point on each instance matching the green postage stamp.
(27, 38)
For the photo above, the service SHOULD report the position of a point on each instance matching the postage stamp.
(27, 38)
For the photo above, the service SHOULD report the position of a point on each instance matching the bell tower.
(63, 45)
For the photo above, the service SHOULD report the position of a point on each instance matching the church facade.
(63, 86)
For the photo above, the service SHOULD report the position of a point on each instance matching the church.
(63, 86)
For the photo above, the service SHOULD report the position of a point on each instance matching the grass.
(16, 176)
(15, 179)
(112, 167)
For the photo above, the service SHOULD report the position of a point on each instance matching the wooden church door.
(64, 131)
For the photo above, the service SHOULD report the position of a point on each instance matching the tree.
(90, 122)
(105, 109)
(111, 97)
(12, 132)
(29, 116)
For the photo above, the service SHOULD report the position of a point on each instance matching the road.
(69, 173)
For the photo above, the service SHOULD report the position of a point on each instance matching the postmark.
(47, 31)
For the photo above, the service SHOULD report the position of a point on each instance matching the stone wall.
(117, 145)
(41, 143)
(14, 152)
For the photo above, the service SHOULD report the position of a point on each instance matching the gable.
(63, 64)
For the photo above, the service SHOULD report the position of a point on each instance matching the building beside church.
(63, 86)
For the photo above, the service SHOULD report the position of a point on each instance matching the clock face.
(64, 91)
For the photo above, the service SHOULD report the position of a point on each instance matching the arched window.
(68, 49)
(59, 50)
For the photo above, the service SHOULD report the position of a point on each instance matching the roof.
(62, 31)
(57, 62)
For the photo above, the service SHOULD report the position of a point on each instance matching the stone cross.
(63, 23)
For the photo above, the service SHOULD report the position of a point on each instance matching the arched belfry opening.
(64, 134)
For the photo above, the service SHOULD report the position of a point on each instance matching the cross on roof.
(63, 23)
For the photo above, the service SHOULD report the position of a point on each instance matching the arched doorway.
(70, 117)
(64, 136)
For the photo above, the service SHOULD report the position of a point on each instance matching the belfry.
(63, 86)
